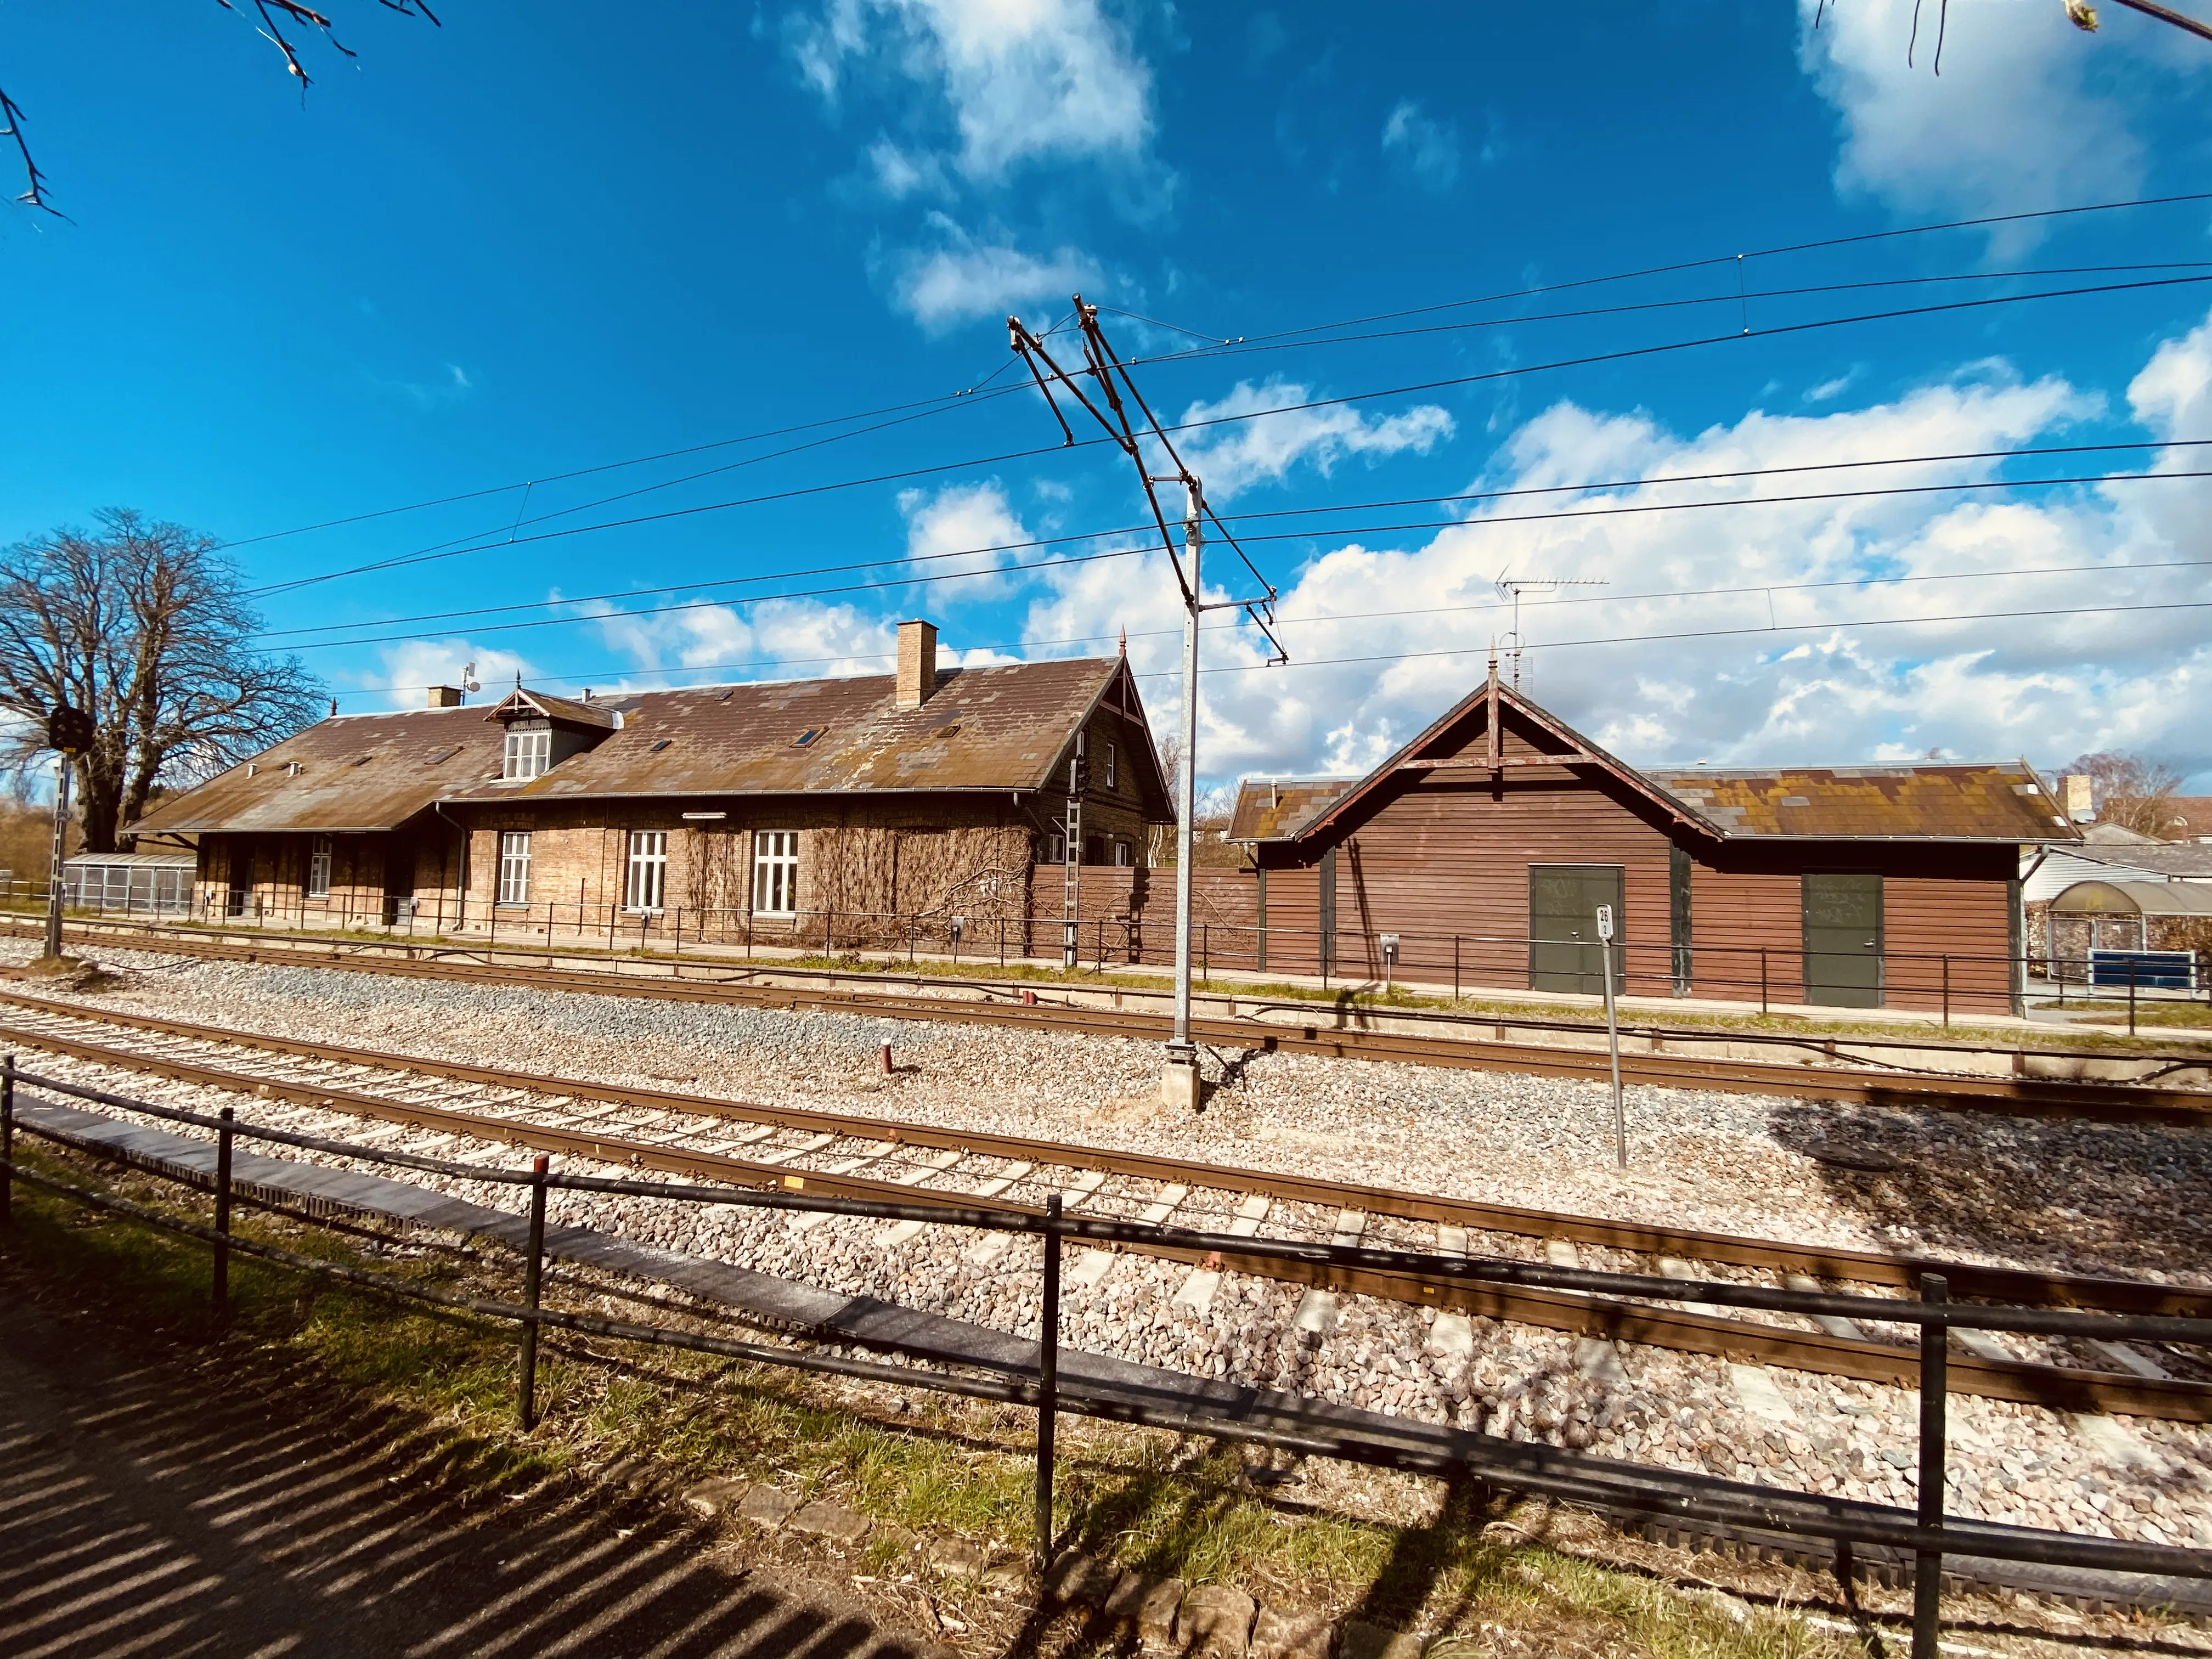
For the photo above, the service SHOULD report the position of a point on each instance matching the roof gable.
(1495, 731)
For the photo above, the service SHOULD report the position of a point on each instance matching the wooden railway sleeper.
(2051, 1387)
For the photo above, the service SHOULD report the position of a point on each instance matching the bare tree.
(2132, 790)
(275, 15)
(145, 628)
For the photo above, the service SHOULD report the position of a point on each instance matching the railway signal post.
(69, 733)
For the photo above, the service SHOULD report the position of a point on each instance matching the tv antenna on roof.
(1513, 587)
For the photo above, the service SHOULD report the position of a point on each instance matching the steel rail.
(2051, 1387)
(1815, 1261)
(1853, 1085)
(756, 973)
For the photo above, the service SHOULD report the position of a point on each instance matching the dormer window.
(528, 752)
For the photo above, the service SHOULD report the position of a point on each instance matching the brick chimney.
(2080, 799)
(917, 663)
(445, 697)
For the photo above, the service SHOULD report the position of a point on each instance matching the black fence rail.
(1926, 1533)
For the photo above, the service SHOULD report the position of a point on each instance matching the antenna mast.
(1513, 587)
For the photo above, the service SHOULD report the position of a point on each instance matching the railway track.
(1816, 1075)
(847, 1155)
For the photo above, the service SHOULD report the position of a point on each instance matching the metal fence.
(1942, 983)
(1925, 1533)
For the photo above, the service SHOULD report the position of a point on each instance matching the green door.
(1843, 940)
(1563, 948)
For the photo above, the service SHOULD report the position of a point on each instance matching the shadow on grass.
(175, 1489)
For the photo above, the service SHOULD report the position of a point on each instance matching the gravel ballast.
(2063, 1195)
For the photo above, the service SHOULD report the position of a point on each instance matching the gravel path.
(2063, 1195)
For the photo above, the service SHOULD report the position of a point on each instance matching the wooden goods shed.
(1481, 852)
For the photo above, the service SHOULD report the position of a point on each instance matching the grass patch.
(1157, 1503)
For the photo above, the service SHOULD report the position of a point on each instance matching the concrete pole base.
(1179, 1086)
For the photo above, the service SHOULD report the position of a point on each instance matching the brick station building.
(1487, 843)
(929, 793)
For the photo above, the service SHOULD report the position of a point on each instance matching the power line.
(1589, 359)
(732, 601)
(967, 393)
(1231, 627)
(1241, 347)
(1297, 511)
(1725, 258)
(1719, 632)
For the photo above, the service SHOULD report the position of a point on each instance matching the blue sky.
(542, 240)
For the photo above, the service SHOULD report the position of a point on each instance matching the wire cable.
(949, 398)
(801, 492)
(1231, 627)
(709, 601)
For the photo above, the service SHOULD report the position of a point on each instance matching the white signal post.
(1612, 1035)
(54, 869)
(1178, 1086)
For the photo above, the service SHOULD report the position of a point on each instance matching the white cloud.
(2013, 124)
(965, 279)
(902, 172)
(960, 528)
(1022, 79)
(1806, 679)
(1429, 148)
(1233, 457)
(408, 670)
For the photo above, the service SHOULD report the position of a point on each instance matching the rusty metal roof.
(1271, 809)
(356, 772)
(995, 728)
(1999, 800)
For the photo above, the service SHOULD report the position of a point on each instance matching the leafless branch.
(141, 625)
(299, 16)
(34, 194)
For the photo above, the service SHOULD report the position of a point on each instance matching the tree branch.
(34, 194)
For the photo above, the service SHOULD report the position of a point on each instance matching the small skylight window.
(662, 745)
(951, 730)
(806, 736)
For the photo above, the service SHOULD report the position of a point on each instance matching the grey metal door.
(1843, 940)
(1564, 954)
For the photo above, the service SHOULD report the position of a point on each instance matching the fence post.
(1047, 1380)
(222, 1136)
(2131, 999)
(531, 1263)
(1455, 966)
(1946, 990)
(7, 1139)
(1205, 950)
(1762, 979)
(1935, 1383)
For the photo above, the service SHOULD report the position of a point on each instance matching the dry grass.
(1331, 1537)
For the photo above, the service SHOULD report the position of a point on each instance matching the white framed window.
(1113, 767)
(318, 868)
(1123, 855)
(528, 754)
(1056, 849)
(514, 866)
(775, 872)
(649, 872)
